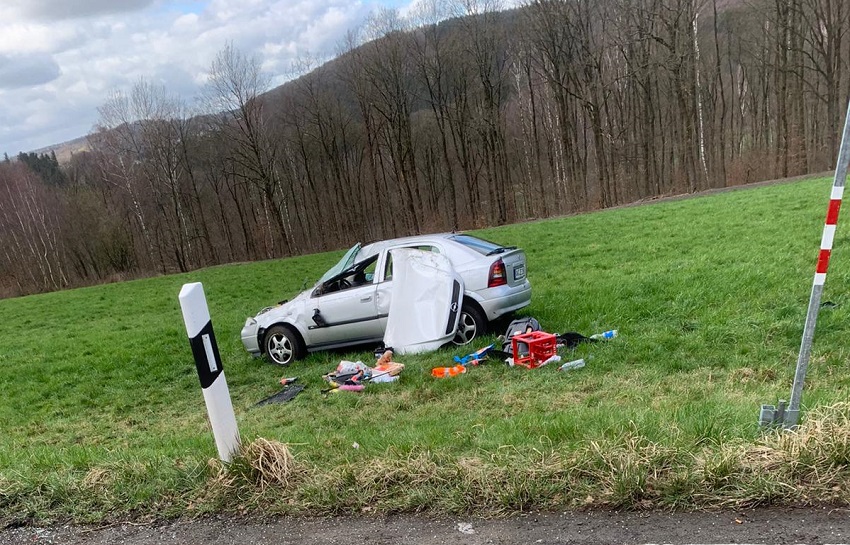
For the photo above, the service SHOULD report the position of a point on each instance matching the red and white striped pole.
(792, 415)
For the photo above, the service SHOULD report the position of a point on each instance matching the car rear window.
(484, 247)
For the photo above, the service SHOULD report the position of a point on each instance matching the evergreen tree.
(45, 166)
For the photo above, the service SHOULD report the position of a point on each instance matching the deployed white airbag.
(426, 299)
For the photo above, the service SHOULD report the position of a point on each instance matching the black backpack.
(518, 327)
(528, 324)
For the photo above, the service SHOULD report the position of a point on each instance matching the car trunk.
(515, 268)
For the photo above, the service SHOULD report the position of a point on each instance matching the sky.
(61, 59)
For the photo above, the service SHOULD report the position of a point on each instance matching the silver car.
(349, 305)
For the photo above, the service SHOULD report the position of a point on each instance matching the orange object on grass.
(445, 372)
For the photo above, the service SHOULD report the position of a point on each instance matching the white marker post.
(196, 315)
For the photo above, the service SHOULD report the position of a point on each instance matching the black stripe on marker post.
(207, 358)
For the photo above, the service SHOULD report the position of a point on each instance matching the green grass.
(102, 414)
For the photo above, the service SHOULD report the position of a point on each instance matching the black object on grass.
(282, 396)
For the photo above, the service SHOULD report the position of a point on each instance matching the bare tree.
(432, 60)
(29, 231)
(235, 93)
(145, 134)
(380, 75)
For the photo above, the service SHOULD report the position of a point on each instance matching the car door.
(343, 308)
(426, 299)
(384, 277)
(348, 316)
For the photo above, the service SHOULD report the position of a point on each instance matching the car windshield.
(484, 247)
(344, 263)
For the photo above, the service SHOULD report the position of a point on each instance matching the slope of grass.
(103, 416)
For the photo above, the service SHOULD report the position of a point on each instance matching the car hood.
(285, 308)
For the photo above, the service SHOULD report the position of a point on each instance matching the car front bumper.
(249, 337)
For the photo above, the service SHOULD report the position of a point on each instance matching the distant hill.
(277, 96)
(65, 150)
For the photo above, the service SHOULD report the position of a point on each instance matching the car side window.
(367, 275)
(362, 275)
(427, 248)
(388, 269)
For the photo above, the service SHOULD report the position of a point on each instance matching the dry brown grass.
(805, 466)
(261, 464)
(97, 478)
(810, 464)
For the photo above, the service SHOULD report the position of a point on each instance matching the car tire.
(470, 325)
(281, 345)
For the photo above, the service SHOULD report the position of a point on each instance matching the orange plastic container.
(533, 348)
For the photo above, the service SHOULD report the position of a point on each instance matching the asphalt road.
(820, 525)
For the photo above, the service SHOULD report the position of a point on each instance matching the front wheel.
(281, 345)
(470, 325)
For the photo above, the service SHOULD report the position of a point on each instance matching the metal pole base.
(772, 416)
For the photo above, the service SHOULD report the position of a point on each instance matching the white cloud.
(59, 59)
(54, 10)
(26, 37)
(27, 70)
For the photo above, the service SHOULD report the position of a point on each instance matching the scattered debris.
(350, 376)
(288, 392)
(445, 372)
(385, 369)
(519, 326)
(555, 358)
(476, 357)
(349, 388)
(572, 339)
(346, 367)
(465, 528)
(532, 349)
(527, 345)
(570, 365)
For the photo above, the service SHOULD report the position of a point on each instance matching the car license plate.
(519, 272)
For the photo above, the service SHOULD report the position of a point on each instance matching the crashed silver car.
(350, 303)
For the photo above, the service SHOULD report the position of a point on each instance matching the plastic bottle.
(575, 364)
(605, 335)
(554, 358)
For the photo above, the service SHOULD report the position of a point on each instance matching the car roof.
(376, 247)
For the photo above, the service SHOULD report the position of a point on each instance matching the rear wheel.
(470, 325)
(281, 345)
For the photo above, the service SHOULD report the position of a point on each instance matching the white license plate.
(519, 272)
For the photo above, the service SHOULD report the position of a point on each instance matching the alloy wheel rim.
(280, 349)
(465, 330)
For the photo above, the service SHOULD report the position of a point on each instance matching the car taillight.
(498, 277)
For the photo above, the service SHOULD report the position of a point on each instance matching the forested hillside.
(432, 123)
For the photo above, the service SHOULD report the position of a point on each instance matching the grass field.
(103, 418)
